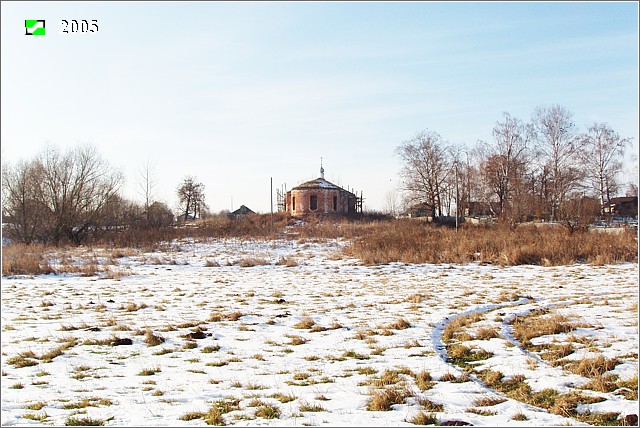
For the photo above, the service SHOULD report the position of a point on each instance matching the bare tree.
(191, 197)
(602, 150)
(392, 203)
(146, 185)
(426, 166)
(505, 165)
(159, 215)
(58, 196)
(559, 146)
(76, 186)
(23, 215)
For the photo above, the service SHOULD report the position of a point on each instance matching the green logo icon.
(34, 27)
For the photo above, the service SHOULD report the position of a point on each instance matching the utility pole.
(271, 203)
(457, 193)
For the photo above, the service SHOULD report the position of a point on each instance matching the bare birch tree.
(426, 166)
(601, 158)
(146, 185)
(506, 162)
(559, 146)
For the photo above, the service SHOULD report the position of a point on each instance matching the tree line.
(545, 169)
(61, 197)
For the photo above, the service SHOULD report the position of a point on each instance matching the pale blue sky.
(236, 93)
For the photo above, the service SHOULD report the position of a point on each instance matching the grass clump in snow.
(354, 354)
(519, 417)
(149, 371)
(192, 415)
(305, 323)
(550, 399)
(463, 355)
(35, 416)
(422, 418)
(423, 380)
(383, 399)
(152, 339)
(24, 359)
(536, 324)
(592, 367)
(283, 398)
(430, 406)
(307, 407)
(488, 401)
(73, 421)
(268, 412)
(399, 324)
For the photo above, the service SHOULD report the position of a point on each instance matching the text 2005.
(79, 26)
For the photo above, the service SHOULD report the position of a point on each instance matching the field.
(296, 332)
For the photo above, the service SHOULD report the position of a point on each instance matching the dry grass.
(252, 261)
(455, 328)
(399, 324)
(486, 333)
(415, 242)
(430, 406)
(534, 325)
(20, 259)
(592, 367)
(153, 339)
(422, 418)
(488, 401)
(383, 399)
(305, 323)
(423, 380)
(268, 412)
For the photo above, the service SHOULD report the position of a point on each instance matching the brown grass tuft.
(383, 399)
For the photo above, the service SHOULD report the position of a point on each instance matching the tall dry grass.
(373, 241)
(410, 241)
(21, 259)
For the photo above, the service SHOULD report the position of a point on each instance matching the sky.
(239, 94)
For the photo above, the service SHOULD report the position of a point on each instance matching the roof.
(318, 183)
(624, 199)
(242, 210)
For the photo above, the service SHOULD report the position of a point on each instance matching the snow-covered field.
(304, 337)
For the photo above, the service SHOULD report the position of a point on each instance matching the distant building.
(243, 210)
(320, 196)
(625, 206)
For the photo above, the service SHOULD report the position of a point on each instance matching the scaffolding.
(281, 195)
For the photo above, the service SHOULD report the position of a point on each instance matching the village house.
(624, 206)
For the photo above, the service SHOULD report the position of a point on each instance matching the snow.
(256, 356)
